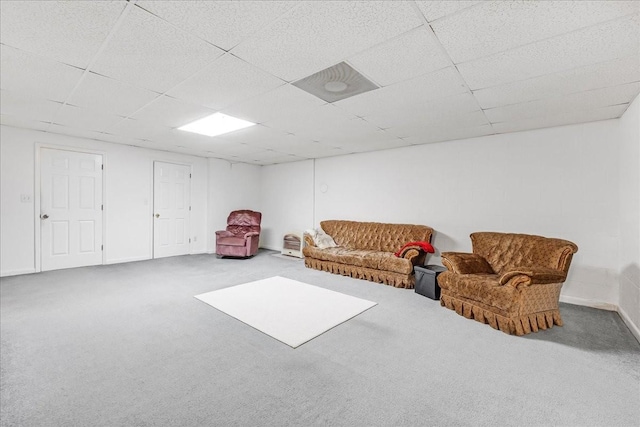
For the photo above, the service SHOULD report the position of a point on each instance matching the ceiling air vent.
(335, 83)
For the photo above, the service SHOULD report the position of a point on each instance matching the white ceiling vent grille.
(338, 82)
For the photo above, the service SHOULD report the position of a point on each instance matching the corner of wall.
(629, 214)
(635, 330)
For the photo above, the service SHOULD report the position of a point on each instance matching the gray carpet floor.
(129, 345)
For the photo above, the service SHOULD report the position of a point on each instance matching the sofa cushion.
(385, 261)
(465, 263)
(484, 288)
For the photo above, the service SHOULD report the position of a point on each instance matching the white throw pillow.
(321, 239)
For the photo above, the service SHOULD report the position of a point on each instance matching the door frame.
(152, 243)
(36, 197)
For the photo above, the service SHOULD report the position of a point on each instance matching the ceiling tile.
(433, 10)
(283, 101)
(604, 74)
(77, 132)
(439, 134)
(184, 150)
(27, 107)
(148, 52)
(160, 64)
(455, 121)
(314, 150)
(336, 132)
(139, 129)
(292, 144)
(204, 145)
(171, 112)
(261, 137)
(21, 122)
(567, 118)
(84, 118)
(428, 113)
(606, 42)
(227, 81)
(119, 139)
(310, 121)
(268, 156)
(370, 138)
(587, 100)
(496, 26)
(317, 35)
(109, 95)
(419, 90)
(279, 143)
(286, 158)
(235, 149)
(69, 32)
(222, 23)
(366, 146)
(407, 56)
(32, 75)
(173, 137)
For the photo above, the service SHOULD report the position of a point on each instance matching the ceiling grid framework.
(133, 72)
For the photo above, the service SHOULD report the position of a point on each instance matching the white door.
(70, 209)
(171, 204)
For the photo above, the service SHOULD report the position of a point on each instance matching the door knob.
(44, 216)
(157, 215)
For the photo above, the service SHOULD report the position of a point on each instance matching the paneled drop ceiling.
(132, 72)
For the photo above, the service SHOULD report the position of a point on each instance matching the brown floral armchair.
(510, 281)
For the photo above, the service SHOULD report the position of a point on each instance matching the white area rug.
(287, 310)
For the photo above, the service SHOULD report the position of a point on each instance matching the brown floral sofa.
(367, 250)
(510, 281)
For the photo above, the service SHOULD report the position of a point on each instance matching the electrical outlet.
(25, 198)
(195, 238)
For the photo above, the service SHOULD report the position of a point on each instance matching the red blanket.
(425, 246)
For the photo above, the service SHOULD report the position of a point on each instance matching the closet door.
(171, 204)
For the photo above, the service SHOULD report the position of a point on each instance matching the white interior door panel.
(70, 209)
(171, 201)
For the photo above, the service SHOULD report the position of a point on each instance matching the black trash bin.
(426, 280)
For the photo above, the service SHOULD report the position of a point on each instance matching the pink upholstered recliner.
(240, 239)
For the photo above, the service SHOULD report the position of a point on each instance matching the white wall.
(17, 232)
(629, 305)
(562, 182)
(128, 197)
(286, 200)
(232, 186)
(558, 182)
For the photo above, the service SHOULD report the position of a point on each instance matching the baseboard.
(123, 260)
(144, 258)
(588, 303)
(17, 272)
(627, 320)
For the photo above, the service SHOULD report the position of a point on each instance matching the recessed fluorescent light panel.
(216, 124)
